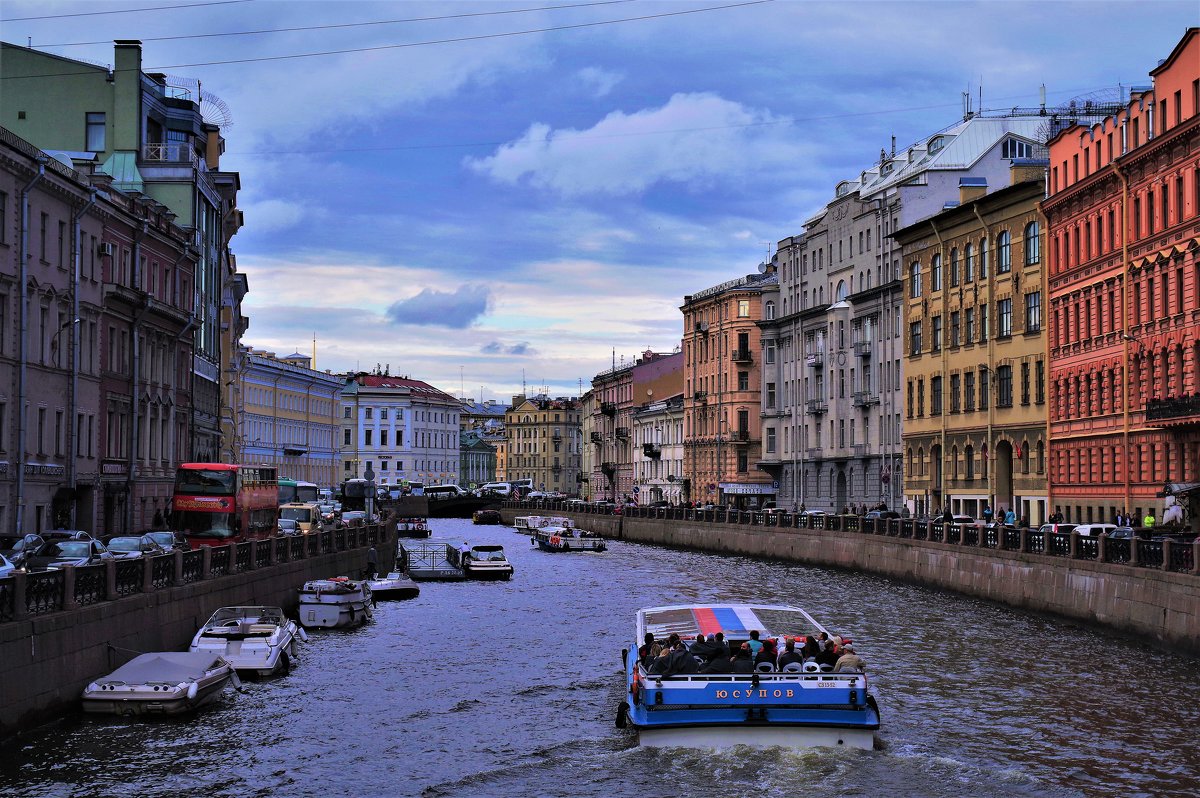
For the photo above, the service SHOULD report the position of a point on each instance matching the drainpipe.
(22, 424)
(945, 351)
(1126, 337)
(73, 391)
(987, 233)
(193, 320)
(134, 426)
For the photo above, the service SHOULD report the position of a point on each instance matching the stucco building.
(477, 459)
(658, 428)
(722, 358)
(975, 365)
(544, 442)
(1123, 211)
(611, 436)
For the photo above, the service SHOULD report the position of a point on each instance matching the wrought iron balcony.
(1176, 410)
(557, 469)
(815, 359)
(740, 436)
(608, 468)
(652, 450)
(700, 397)
(623, 433)
(741, 356)
(863, 348)
(817, 406)
(608, 408)
(597, 437)
(864, 399)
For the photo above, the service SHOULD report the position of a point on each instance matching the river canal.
(510, 689)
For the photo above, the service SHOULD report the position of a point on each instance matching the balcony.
(608, 468)
(864, 399)
(556, 437)
(813, 453)
(1174, 411)
(652, 450)
(623, 433)
(817, 407)
(557, 469)
(860, 450)
(815, 359)
(700, 397)
(740, 436)
(863, 348)
(608, 408)
(168, 152)
(597, 437)
(741, 356)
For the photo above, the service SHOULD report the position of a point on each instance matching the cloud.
(273, 215)
(497, 348)
(694, 140)
(457, 309)
(599, 81)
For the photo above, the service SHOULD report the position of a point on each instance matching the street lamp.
(54, 338)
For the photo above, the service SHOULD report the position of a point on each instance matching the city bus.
(292, 491)
(354, 494)
(219, 503)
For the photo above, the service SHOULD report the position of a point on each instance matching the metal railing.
(29, 594)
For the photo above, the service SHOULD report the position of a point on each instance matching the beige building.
(588, 462)
(544, 442)
(975, 371)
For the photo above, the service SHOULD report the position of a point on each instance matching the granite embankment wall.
(60, 634)
(1153, 603)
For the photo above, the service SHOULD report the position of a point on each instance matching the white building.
(404, 430)
(658, 451)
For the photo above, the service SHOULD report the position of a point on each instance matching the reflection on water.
(510, 689)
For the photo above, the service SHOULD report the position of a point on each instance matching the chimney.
(971, 189)
(1023, 171)
(127, 95)
(214, 146)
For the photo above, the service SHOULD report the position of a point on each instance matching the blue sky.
(466, 211)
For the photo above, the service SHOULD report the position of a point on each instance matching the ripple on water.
(509, 688)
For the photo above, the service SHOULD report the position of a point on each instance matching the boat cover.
(167, 667)
(736, 621)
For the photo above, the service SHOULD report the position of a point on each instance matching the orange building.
(1123, 216)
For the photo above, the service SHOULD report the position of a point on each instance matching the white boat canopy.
(736, 621)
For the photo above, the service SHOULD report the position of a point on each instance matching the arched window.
(983, 259)
(1033, 244)
(914, 279)
(953, 267)
(1003, 253)
(769, 310)
(912, 463)
(969, 453)
(921, 460)
(841, 290)
(969, 264)
(935, 273)
(954, 463)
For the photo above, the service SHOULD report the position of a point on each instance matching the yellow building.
(975, 374)
(543, 443)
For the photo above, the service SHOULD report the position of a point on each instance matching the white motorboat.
(160, 683)
(260, 640)
(487, 562)
(394, 586)
(336, 602)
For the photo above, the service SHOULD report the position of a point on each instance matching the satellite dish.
(762, 267)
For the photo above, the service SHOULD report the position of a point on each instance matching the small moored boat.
(259, 640)
(337, 602)
(486, 517)
(698, 696)
(558, 538)
(160, 683)
(413, 528)
(394, 586)
(487, 562)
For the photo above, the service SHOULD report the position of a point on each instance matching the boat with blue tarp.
(698, 694)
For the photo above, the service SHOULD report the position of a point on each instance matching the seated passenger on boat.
(648, 651)
(849, 661)
(790, 654)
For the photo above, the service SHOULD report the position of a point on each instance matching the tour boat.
(669, 703)
(487, 562)
(562, 538)
(486, 517)
(393, 586)
(413, 528)
(160, 683)
(259, 640)
(528, 523)
(336, 602)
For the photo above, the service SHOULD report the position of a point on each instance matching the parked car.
(1093, 530)
(167, 539)
(66, 534)
(881, 514)
(289, 526)
(1122, 533)
(1059, 528)
(57, 553)
(18, 547)
(6, 567)
(130, 547)
(354, 518)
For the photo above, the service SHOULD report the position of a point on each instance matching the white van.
(444, 491)
(499, 488)
(1093, 530)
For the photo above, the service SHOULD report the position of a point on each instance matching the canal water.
(510, 689)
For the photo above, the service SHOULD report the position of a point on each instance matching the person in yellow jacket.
(1149, 519)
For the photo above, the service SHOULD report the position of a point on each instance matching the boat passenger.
(823, 640)
(768, 653)
(648, 651)
(742, 661)
(849, 661)
(811, 648)
(719, 639)
(661, 662)
(790, 654)
(829, 656)
(702, 648)
(755, 644)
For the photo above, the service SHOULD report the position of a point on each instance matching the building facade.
(402, 430)
(975, 365)
(611, 434)
(657, 421)
(544, 442)
(288, 417)
(722, 355)
(588, 464)
(477, 457)
(1122, 211)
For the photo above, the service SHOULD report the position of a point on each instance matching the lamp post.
(66, 325)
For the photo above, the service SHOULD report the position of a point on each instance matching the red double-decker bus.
(218, 503)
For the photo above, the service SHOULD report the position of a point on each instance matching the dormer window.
(843, 188)
(1014, 148)
(886, 168)
(936, 143)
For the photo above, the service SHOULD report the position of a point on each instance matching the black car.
(57, 553)
(167, 540)
(17, 548)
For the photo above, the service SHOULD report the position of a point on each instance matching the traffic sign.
(635, 489)
(369, 474)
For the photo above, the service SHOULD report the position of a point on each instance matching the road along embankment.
(59, 630)
(1143, 588)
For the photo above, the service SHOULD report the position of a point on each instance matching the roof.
(416, 387)
(734, 620)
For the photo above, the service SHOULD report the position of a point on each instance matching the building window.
(383, 436)
(346, 440)
(743, 462)
(383, 413)
(935, 344)
(954, 328)
(1025, 383)
(955, 391)
(769, 310)
(770, 440)
(953, 267)
(367, 437)
(1040, 384)
(743, 380)
(914, 279)
(95, 124)
(743, 308)
(370, 410)
(1033, 311)
(346, 411)
(770, 396)
(1004, 318)
(969, 264)
(969, 391)
(1012, 148)
(984, 388)
(1033, 245)
(1004, 386)
(935, 396)
(914, 338)
(1003, 253)
(935, 273)
(969, 329)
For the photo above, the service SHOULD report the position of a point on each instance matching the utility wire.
(349, 24)
(124, 11)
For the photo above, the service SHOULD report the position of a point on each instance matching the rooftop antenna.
(893, 145)
(314, 360)
(462, 391)
(1042, 93)
(523, 389)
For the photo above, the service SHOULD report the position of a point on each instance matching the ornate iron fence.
(1150, 553)
(1058, 544)
(1118, 551)
(219, 564)
(162, 570)
(8, 596)
(1087, 548)
(44, 592)
(91, 584)
(129, 576)
(1183, 557)
(242, 559)
(193, 566)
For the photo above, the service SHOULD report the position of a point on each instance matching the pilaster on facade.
(1123, 217)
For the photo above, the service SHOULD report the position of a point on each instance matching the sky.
(496, 195)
